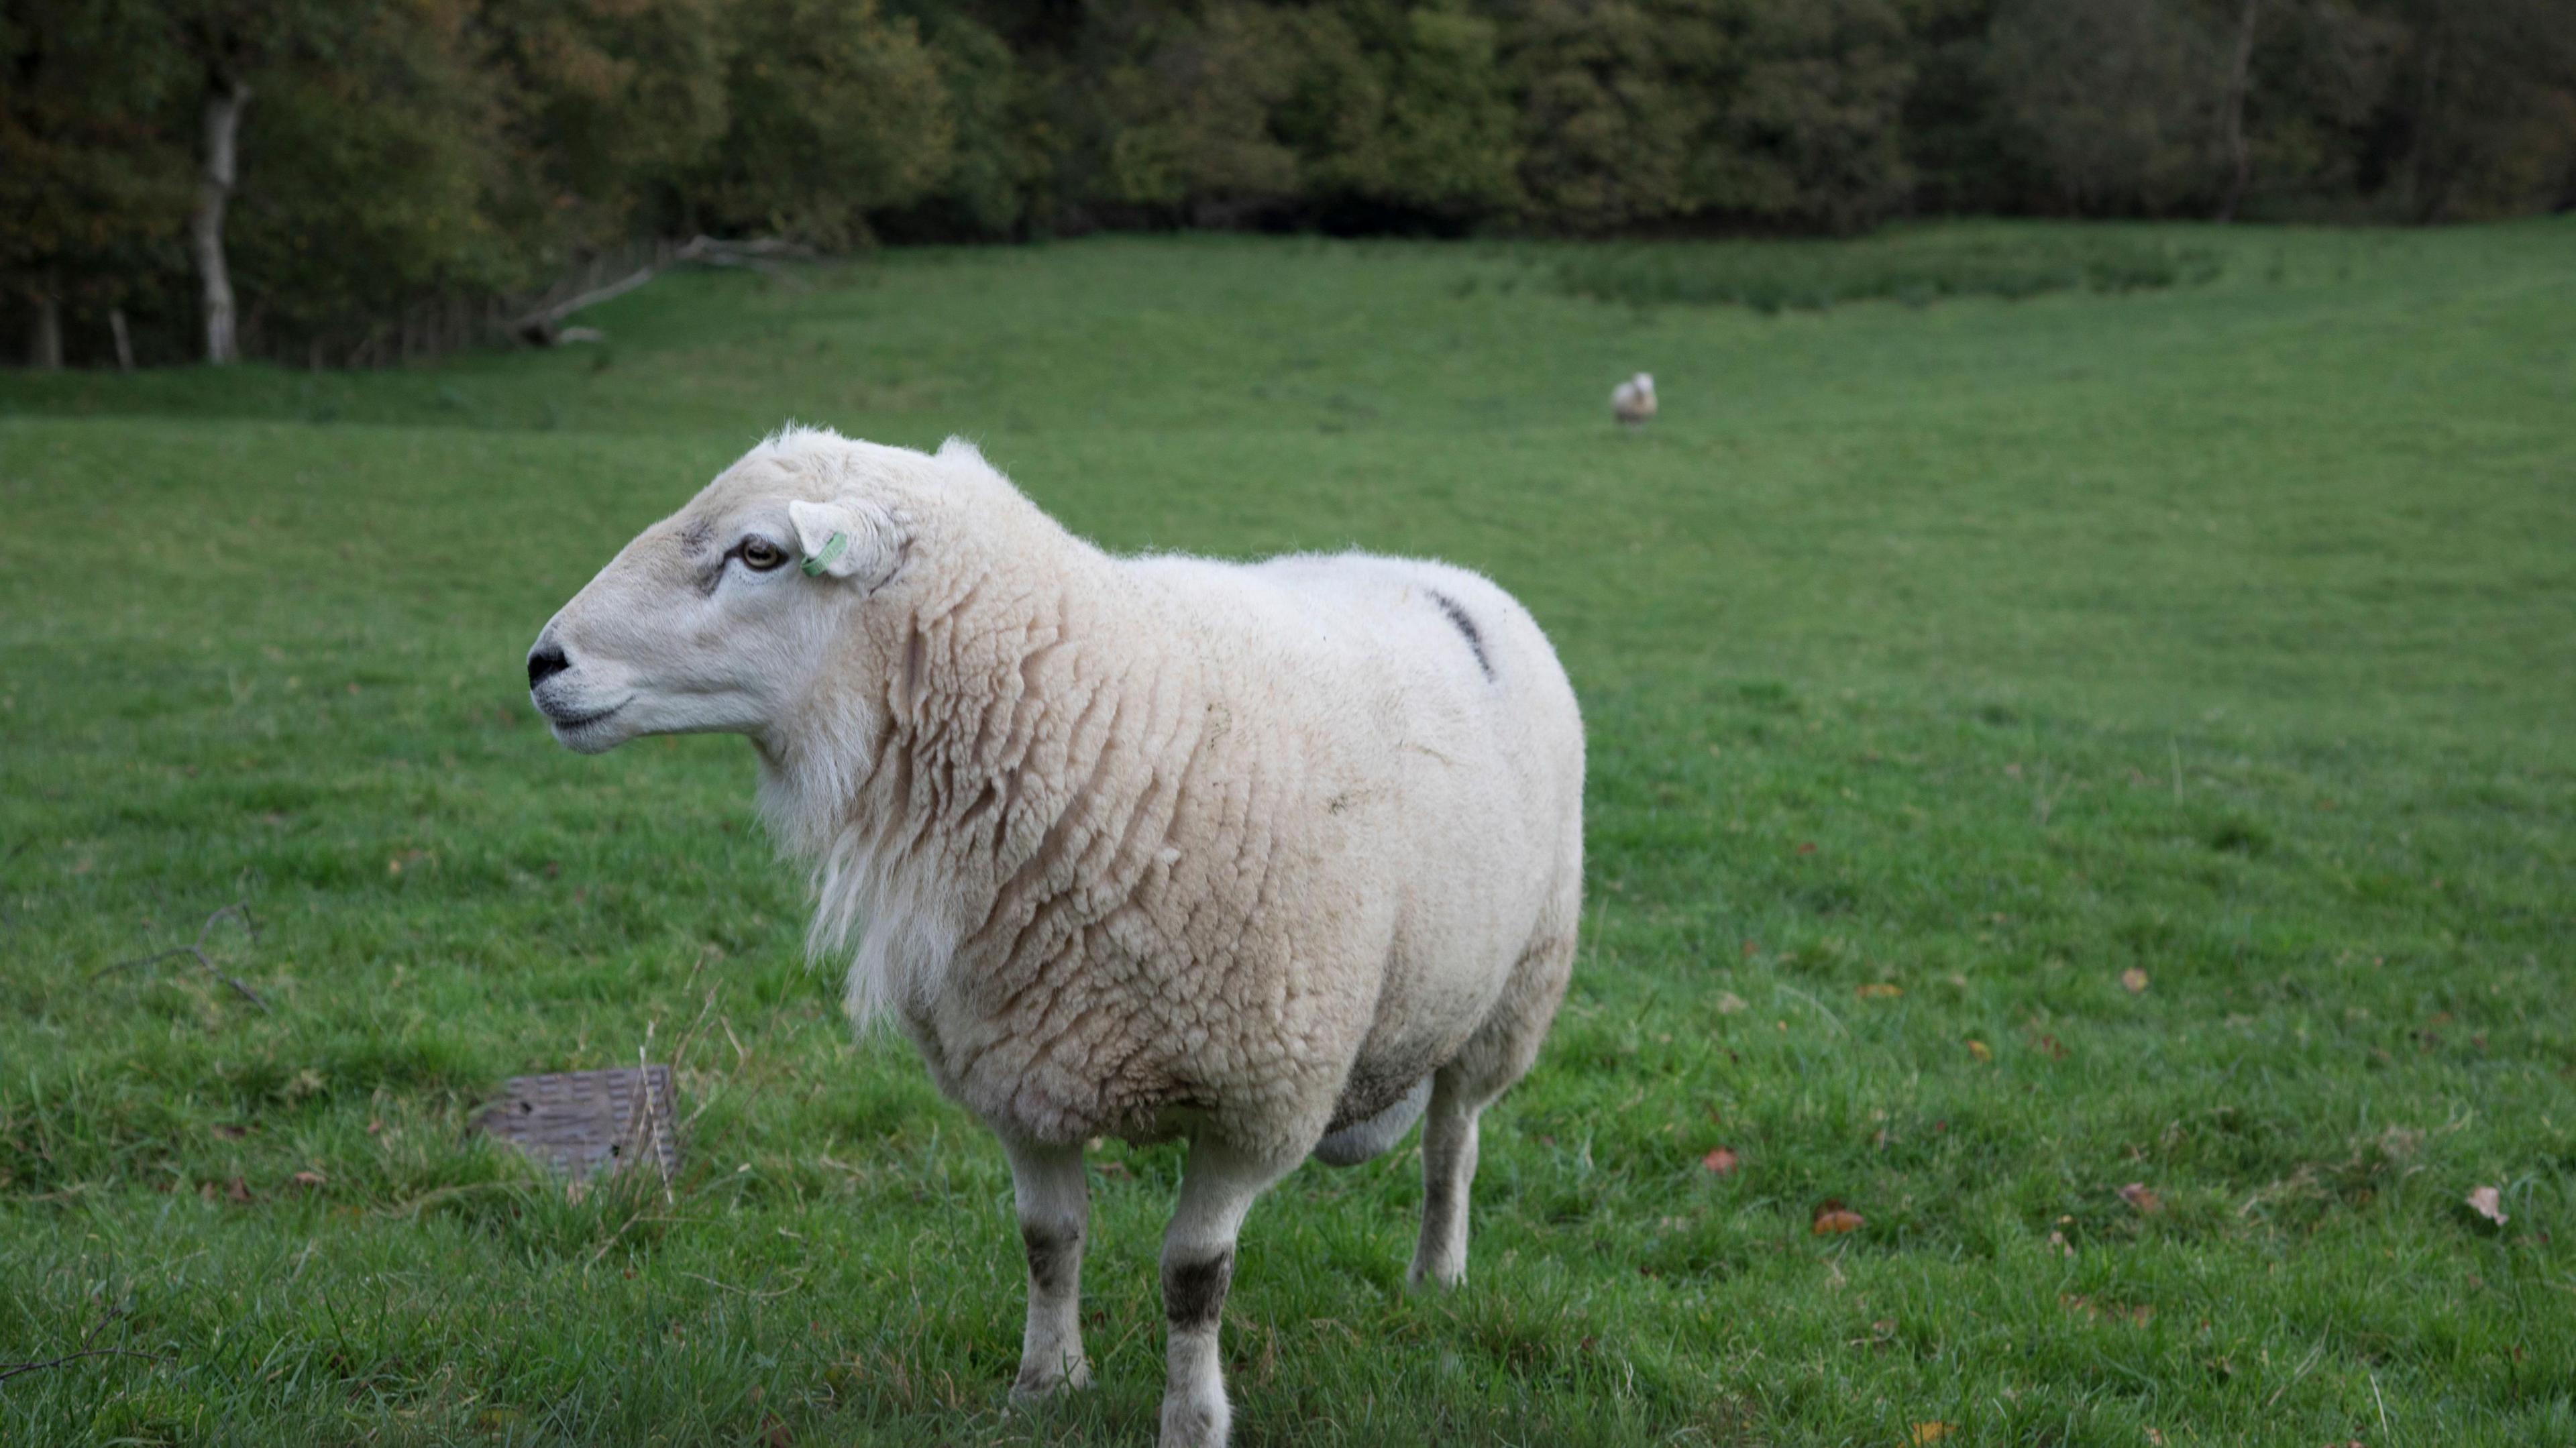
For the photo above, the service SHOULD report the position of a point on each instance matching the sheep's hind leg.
(1494, 1058)
(1217, 1188)
(1055, 1209)
(1448, 1170)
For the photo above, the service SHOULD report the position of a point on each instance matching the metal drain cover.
(590, 1123)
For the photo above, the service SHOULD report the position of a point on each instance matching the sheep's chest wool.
(1280, 857)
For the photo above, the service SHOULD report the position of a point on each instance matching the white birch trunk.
(206, 227)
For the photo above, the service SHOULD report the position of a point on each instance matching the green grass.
(1986, 649)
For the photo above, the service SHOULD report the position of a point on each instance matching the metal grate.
(590, 1123)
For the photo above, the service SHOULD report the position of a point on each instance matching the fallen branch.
(544, 326)
(11, 1370)
(439, 1194)
(197, 952)
(793, 1284)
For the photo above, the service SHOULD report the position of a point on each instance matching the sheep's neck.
(1003, 694)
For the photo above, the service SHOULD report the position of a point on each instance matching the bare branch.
(11, 1370)
(239, 911)
(544, 326)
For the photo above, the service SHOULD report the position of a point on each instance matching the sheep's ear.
(846, 540)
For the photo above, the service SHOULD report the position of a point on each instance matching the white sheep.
(1276, 857)
(1633, 401)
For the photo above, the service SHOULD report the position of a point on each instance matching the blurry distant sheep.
(1633, 401)
(1278, 857)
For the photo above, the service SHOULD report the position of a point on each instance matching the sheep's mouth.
(578, 722)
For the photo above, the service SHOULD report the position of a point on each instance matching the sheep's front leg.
(1448, 1172)
(1217, 1188)
(1055, 1208)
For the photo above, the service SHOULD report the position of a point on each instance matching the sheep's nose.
(544, 662)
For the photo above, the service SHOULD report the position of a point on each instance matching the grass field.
(1943, 665)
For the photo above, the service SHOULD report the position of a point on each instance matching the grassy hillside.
(1945, 663)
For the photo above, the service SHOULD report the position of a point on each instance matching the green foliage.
(1403, 115)
(1810, 137)
(2225, 633)
(1616, 95)
(1184, 111)
(619, 104)
(2486, 94)
(93, 193)
(837, 111)
(2116, 101)
(998, 156)
(398, 100)
(450, 154)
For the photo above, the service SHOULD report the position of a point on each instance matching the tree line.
(301, 179)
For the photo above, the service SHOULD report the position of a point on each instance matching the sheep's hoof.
(1191, 1421)
(1038, 1385)
(1436, 1277)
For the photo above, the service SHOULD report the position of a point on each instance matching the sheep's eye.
(760, 555)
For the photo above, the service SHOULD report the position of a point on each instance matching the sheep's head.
(722, 617)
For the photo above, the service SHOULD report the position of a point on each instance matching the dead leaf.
(1981, 1050)
(774, 1434)
(1879, 990)
(375, 1124)
(2137, 1195)
(1719, 1160)
(2155, 1439)
(1931, 1433)
(1833, 1219)
(1807, 847)
(2140, 1315)
(230, 1132)
(1728, 1003)
(237, 1190)
(2487, 1202)
(308, 1179)
(2134, 980)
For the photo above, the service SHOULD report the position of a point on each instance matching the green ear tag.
(834, 547)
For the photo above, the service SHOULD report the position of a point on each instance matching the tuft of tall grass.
(1913, 267)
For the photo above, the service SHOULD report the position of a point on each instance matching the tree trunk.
(45, 338)
(124, 339)
(2424, 188)
(2240, 72)
(206, 228)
